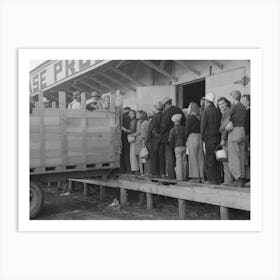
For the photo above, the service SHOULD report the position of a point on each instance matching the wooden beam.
(120, 63)
(124, 63)
(226, 197)
(78, 87)
(116, 81)
(160, 70)
(188, 67)
(91, 86)
(98, 182)
(238, 198)
(217, 63)
(102, 83)
(128, 77)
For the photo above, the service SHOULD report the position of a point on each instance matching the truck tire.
(36, 199)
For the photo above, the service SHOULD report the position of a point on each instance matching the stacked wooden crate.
(65, 139)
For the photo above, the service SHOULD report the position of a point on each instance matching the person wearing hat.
(47, 102)
(236, 140)
(94, 103)
(76, 103)
(154, 145)
(177, 142)
(165, 126)
(209, 129)
(125, 152)
(224, 106)
(245, 100)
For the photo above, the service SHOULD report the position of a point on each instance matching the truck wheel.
(36, 199)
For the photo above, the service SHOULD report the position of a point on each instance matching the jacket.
(210, 122)
(166, 124)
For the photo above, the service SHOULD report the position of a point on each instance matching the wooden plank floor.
(222, 196)
(231, 197)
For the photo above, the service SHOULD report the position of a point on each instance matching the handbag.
(144, 153)
(131, 138)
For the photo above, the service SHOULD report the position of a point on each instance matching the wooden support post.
(85, 190)
(49, 184)
(224, 213)
(63, 128)
(59, 184)
(70, 186)
(102, 192)
(123, 196)
(182, 208)
(149, 198)
(42, 130)
(84, 130)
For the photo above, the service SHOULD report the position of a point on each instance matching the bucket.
(221, 154)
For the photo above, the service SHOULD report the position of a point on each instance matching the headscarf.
(194, 109)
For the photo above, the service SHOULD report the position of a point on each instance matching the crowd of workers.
(174, 143)
(95, 102)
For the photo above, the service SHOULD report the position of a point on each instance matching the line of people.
(174, 143)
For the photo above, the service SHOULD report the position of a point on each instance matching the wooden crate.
(64, 139)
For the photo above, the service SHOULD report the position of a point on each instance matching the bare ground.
(75, 207)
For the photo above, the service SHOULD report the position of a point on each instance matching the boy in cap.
(165, 126)
(177, 143)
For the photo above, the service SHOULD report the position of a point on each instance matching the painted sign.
(55, 71)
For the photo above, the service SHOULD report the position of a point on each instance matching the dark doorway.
(193, 92)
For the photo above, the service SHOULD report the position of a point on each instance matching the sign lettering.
(56, 71)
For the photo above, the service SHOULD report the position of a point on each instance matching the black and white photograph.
(140, 139)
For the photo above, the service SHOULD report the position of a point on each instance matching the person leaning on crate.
(31, 104)
(95, 102)
(76, 103)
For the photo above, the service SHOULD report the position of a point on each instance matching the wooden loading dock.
(222, 196)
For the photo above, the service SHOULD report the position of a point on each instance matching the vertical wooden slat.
(42, 130)
(63, 127)
(84, 130)
(53, 104)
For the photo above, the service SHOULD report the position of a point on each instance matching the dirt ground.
(64, 206)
